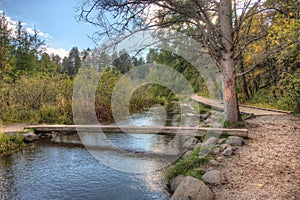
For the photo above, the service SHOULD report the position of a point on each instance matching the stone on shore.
(224, 146)
(198, 145)
(227, 151)
(214, 177)
(176, 182)
(221, 141)
(193, 189)
(214, 162)
(235, 141)
(187, 154)
(210, 141)
(190, 143)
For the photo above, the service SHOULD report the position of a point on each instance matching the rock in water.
(29, 137)
(234, 141)
(194, 189)
(214, 177)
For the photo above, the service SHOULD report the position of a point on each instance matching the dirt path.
(268, 166)
(14, 128)
(244, 109)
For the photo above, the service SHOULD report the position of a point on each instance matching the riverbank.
(266, 167)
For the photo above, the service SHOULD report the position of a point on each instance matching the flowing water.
(63, 168)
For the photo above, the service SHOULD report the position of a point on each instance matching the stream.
(63, 168)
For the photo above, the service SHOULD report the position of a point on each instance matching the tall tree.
(27, 49)
(210, 22)
(72, 63)
(6, 49)
(122, 61)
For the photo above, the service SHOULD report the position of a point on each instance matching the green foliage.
(33, 97)
(290, 92)
(274, 83)
(185, 166)
(198, 173)
(72, 63)
(10, 143)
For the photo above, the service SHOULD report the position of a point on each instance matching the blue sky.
(55, 19)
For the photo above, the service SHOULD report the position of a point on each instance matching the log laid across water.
(167, 130)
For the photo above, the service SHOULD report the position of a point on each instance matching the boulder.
(29, 137)
(190, 143)
(176, 181)
(193, 189)
(234, 141)
(214, 177)
(227, 151)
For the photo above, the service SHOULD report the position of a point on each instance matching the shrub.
(185, 166)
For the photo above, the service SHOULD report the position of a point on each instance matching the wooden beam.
(167, 130)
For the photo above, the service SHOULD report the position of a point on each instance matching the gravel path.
(268, 166)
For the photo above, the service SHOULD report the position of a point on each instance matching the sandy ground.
(268, 166)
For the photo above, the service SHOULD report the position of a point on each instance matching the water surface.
(64, 169)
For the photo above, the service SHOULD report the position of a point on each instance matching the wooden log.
(166, 130)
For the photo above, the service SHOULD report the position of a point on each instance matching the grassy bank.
(189, 166)
(10, 143)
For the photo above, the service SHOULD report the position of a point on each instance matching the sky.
(55, 20)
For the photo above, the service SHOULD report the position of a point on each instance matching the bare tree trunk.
(231, 108)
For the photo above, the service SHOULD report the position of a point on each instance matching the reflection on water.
(60, 172)
(63, 169)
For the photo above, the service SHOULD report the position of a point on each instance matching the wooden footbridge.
(166, 130)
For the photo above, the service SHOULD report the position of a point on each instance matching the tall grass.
(10, 143)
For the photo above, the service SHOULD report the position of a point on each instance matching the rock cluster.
(31, 137)
(185, 188)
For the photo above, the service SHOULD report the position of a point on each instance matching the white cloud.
(31, 31)
(61, 52)
(12, 25)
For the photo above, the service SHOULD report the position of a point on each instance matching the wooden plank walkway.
(167, 130)
(218, 105)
